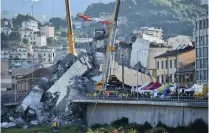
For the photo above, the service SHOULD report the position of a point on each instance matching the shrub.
(120, 122)
(147, 125)
(199, 125)
(96, 126)
(157, 130)
(160, 124)
(132, 131)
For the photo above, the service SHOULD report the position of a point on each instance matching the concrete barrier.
(170, 113)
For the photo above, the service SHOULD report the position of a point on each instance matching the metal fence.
(168, 98)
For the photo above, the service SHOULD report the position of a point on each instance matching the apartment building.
(45, 54)
(30, 24)
(40, 41)
(47, 31)
(202, 49)
(7, 31)
(29, 35)
(17, 57)
(167, 64)
(151, 31)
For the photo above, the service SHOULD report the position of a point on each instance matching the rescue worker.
(56, 124)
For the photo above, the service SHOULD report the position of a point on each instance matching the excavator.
(108, 67)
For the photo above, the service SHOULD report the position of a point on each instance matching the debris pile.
(52, 95)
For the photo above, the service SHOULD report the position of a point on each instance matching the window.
(158, 78)
(44, 54)
(170, 78)
(200, 24)
(183, 77)
(196, 39)
(162, 65)
(201, 75)
(44, 59)
(201, 63)
(162, 78)
(191, 77)
(205, 63)
(200, 40)
(198, 63)
(204, 75)
(166, 78)
(25, 36)
(204, 24)
(201, 52)
(49, 55)
(166, 64)
(180, 78)
(197, 52)
(196, 25)
(49, 60)
(157, 64)
(175, 63)
(170, 63)
(203, 40)
(205, 50)
(53, 54)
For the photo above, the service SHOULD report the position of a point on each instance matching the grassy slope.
(71, 129)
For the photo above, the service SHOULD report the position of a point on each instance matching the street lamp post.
(177, 60)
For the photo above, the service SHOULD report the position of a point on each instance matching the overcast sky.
(47, 7)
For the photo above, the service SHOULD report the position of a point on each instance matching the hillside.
(173, 16)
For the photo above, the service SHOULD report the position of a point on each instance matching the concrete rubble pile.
(52, 95)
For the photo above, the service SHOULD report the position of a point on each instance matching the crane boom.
(71, 43)
(89, 18)
(111, 48)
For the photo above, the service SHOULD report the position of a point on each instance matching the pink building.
(47, 31)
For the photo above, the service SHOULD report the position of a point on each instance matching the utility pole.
(122, 65)
(32, 9)
(137, 78)
(177, 63)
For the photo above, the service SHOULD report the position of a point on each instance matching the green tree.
(4, 41)
(25, 41)
(58, 22)
(15, 36)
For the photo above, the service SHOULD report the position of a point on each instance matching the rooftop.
(159, 45)
(26, 29)
(151, 28)
(175, 52)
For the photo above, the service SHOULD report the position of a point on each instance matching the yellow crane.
(110, 52)
(110, 46)
(71, 43)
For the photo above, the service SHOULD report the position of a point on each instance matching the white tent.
(196, 88)
(139, 88)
